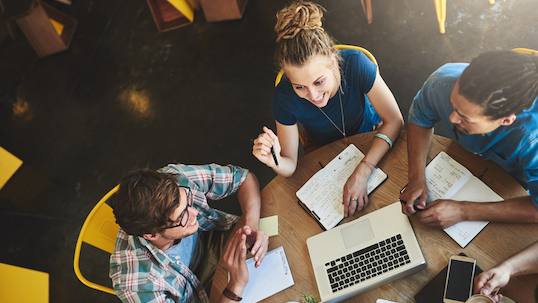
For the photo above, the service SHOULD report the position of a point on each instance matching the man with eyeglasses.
(170, 239)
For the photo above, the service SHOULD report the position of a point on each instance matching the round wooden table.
(495, 243)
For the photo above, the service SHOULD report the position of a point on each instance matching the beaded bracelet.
(387, 139)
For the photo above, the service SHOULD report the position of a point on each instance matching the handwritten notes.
(323, 192)
(448, 179)
(273, 276)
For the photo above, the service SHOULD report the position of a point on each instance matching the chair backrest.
(339, 46)
(525, 50)
(99, 230)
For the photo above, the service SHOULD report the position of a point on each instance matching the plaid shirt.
(140, 272)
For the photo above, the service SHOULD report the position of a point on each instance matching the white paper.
(273, 276)
(323, 192)
(448, 179)
(476, 191)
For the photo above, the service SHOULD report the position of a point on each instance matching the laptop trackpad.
(357, 233)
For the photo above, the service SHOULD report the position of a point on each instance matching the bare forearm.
(249, 198)
(523, 263)
(515, 210)
(286, 166)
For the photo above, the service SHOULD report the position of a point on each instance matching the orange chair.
(99, 230)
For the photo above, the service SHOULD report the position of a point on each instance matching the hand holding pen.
(267, 148)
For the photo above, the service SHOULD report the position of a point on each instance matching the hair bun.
(296, 17)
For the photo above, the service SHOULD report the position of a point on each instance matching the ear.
(508, 120)
(151, 237)
(333, 60)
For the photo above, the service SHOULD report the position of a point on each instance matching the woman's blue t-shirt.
(359, 115)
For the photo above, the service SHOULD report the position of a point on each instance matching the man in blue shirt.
(489, 107)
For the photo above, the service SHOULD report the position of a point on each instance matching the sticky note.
(269, 225)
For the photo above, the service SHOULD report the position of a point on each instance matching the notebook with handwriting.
(322, 194)
(448, 179)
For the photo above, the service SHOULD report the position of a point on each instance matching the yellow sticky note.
(57, 26)
(8, 166)
(269, 225)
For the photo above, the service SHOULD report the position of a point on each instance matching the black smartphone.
(459, 279)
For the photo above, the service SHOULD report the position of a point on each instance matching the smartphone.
(459, 279)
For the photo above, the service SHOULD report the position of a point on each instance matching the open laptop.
(363, 254)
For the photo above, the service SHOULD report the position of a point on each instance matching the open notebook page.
(474, 190)
(445, 176)
(273, 276)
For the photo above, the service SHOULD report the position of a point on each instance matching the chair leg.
(367, 8)
(440, 8)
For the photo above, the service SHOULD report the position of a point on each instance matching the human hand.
(415, 190)
(261, 148)
(442, 213)
(259, 242)
(235, 255)
(491, 280)
(355, 196)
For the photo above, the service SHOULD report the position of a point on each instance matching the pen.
(249, 249)
(274, 156)
(414, 206)
(480, 177)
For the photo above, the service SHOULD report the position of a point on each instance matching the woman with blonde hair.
(333, 93)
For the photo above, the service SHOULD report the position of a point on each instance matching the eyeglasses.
(184, 216)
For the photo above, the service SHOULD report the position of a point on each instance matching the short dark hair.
(144, 201)
(502, 82)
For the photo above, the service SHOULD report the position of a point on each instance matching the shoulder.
(353, 58)
(448, 73)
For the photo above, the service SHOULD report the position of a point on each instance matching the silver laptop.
(363, 254)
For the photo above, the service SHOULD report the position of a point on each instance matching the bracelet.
(387, 139)
(230, 295)
(372, 166)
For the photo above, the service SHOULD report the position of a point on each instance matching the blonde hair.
(300, 35)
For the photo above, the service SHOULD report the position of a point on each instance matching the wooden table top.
(495, 243)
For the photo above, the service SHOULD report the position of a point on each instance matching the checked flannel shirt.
(140, 272)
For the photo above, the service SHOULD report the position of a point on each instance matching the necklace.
(343, 132)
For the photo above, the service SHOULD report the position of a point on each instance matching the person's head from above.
(492, 90)
(306, 53)
(151, 205)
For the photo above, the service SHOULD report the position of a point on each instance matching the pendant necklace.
(343, 132)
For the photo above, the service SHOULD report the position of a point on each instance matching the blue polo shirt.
(359, 115)
(514, 147)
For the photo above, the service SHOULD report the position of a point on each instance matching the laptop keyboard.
(367, 263)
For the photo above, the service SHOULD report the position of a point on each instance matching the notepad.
(273, 276)
(448, 179)
(322, 194)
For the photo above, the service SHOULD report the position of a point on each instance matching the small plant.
(310, 299)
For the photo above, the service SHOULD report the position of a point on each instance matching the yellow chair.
(440, 8)
(99, 230)
(339, 46)
(525, 50)
(22, 285)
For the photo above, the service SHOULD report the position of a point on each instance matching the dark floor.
(125, 95)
